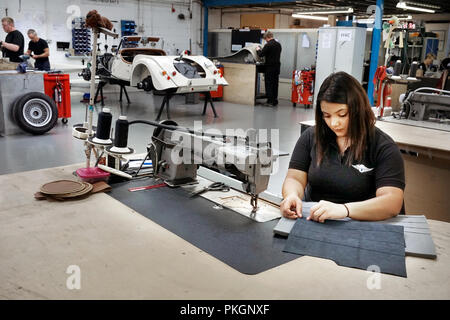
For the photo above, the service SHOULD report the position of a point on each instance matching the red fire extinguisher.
(57, 93)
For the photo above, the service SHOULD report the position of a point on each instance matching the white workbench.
(124, 255)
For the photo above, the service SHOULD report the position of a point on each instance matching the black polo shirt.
(381, 166)
(423, 66)
(38, 48)
(14, 37)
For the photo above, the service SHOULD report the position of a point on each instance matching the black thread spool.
(413, 69)
(103, 127)
(397, 68)
(121, 133)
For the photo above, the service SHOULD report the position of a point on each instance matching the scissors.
(216, 186)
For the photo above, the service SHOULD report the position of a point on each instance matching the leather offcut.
(353, 244)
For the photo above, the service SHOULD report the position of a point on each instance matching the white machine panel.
(350, 47)
(339, 49)
(326, 53)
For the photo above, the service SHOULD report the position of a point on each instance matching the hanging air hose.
(183, 129)
(160, 125)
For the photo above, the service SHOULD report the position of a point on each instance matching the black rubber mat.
(247, 246)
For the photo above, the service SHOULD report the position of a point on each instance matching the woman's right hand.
(291, 207)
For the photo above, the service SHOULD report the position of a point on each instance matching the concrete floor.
(25, 152)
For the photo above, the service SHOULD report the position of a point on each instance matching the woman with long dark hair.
(346, 164)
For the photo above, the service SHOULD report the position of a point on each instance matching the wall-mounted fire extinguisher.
(57, 93)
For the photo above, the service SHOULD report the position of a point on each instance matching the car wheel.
(35, 113)
(146, 84)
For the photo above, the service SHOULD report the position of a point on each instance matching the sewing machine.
(424, 105)
(177, 154)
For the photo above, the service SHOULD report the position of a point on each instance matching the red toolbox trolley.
(303, 87)
(57, 87)
(219, 92)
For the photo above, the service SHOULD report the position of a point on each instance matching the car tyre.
(35, 113)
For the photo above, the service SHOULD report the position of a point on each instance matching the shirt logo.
(361, 168)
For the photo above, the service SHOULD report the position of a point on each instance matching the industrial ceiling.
(360, 7)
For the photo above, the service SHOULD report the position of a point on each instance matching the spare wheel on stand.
(35, 113)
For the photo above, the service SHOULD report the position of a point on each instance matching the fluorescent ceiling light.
(366, 21)
(371, 20)
(301, 16)
(347, 10)
(405, 6)
(399, 18)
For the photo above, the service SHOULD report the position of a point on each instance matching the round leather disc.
(62, 187)
(87, 188)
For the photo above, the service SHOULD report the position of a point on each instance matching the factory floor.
(25, 152)
(48, 248)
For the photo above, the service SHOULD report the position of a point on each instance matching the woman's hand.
(327, 210)
(291, 207)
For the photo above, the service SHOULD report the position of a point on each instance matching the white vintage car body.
(247, 54)
(137, 64)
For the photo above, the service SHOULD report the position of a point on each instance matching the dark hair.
(340, 87)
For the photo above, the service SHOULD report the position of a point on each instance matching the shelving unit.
(81, 37)
(128, 28)
(410, 52)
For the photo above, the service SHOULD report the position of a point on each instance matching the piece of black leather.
(245, 245)
(353, 244)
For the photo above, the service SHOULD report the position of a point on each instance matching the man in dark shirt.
(425, 65)
(12, 47)
(40, 50)
(271, 52)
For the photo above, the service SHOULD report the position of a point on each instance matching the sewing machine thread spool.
(397, 69)
(121, 136)
(413, 70)
(103, 127)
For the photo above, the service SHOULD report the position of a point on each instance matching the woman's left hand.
(327, 210)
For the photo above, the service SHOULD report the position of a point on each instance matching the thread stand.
(116, 168)
(90, 146)
(119, 156)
